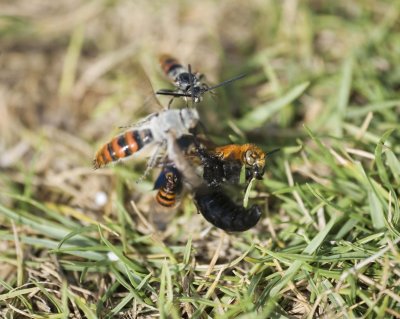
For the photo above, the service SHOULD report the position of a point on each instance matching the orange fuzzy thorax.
(236, 151)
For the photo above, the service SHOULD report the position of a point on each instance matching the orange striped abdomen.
(166, 198)
(122, 146)
(168, 63)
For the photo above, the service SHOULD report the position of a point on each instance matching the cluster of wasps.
(185, 159)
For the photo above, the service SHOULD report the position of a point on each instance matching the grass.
(323, 86)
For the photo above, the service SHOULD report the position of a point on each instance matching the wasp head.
(190, 85)
(171, 177)
(196, 93)
(254, 159)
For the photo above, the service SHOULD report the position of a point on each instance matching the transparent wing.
(145, 90)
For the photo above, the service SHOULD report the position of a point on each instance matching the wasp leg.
(170, 102)
(152, 162)
(187, 102)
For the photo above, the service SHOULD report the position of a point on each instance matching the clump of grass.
(84, 244)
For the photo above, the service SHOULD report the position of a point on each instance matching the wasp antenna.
(225, 82)
(164, 91)
(272, 152)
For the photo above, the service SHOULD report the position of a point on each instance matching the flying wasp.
(188, 85)
(152, 131)
(169, 185)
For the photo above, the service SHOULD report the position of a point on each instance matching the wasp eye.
(249, 158)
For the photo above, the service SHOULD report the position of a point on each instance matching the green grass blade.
(294, 268)
(258, 116)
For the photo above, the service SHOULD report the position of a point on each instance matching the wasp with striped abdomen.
(152, 131)
(169, 186)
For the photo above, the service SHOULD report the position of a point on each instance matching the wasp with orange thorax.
(212, 202)
(223, 165)
(188, 84)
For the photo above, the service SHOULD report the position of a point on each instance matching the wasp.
(169, 185)
(250, 155)
(152, 131)
(219, 209)
(188, 84)
(223, 164)
(212, 202)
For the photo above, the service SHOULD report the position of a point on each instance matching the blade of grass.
(258, 116)
(378, 157)
(343, 96)
(296, 265)
(71, 61)
(44, 227)
(357, 111)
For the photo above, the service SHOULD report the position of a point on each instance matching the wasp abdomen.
(122, 146)
(169, 64)
(219, 209)
(166, 199)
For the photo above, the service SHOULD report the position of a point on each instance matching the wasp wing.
(145, 90)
